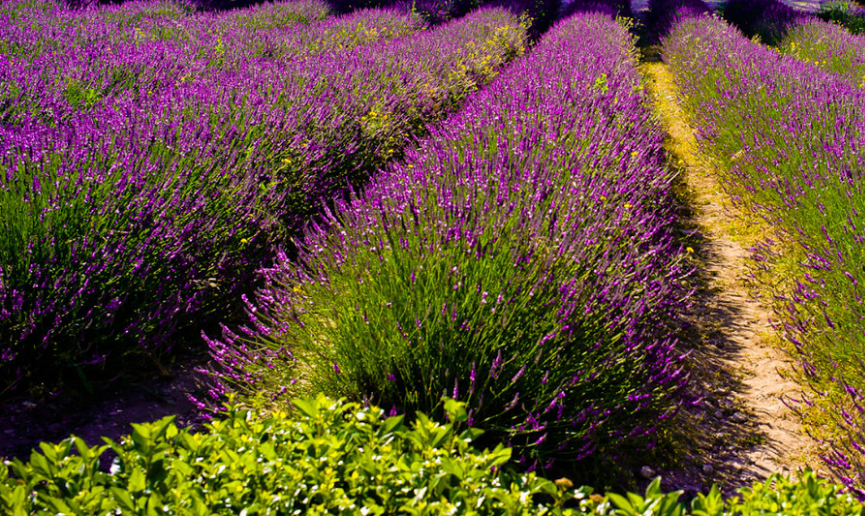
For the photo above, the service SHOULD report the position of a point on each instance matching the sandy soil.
(755, 433)
(27, 421)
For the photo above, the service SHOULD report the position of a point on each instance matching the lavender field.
(141, 192)
(456, 212)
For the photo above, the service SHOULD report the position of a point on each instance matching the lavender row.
(789, 137)
(613, 8)
(85, 60)
(768, 20)
(31, 27)
(828, 46)
(128, 223)
(520, 259)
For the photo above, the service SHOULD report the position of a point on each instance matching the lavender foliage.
(520, 260)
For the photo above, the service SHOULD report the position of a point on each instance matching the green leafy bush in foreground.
(332, 457)
(327, 458)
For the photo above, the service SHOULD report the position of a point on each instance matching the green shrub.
(329, 457)
(804, 495)
(332, 457)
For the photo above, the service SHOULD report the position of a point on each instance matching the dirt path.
(752, 432)
(809, 6)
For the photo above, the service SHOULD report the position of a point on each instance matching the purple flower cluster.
(150, 164)
(519, 259)
(789, 137)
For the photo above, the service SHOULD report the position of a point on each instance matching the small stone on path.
(738, 417)
(647, 472)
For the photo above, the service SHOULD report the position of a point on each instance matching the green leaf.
(624, 506)
(456, 411)
(309, 407)
(499, 456)
(41, 466)
(157, 473)
(638, 502)
(56, 504)
(137, 481)
(708, 505)
(654, 489)
(154, 505)
(123, 499)
(440, 435)
(141, 436)
(160, 428)
(392, 424)
(471, 434)
(83, 449)
(18, 498)
(49, 451)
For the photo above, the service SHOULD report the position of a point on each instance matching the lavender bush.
(520, 260)
(789, 137)
(828, 46)
(767, 19)
(136, 212)
(664, 14)
(540, 13)
(610, 7)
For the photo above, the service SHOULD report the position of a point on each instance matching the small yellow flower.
(244, 241)
(628, 206)
(689, 249)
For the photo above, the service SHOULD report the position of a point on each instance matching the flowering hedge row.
(789, 138)
(138, 203)
(520, 259)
